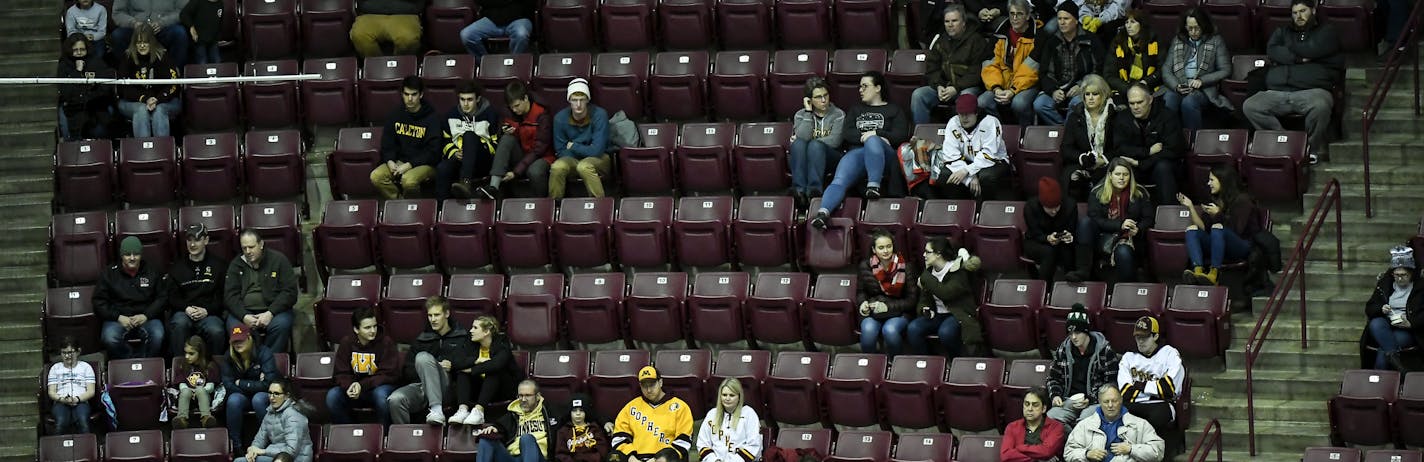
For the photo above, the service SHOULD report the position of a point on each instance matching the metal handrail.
(1200, 453)
(1406, 47)
(1292, 274)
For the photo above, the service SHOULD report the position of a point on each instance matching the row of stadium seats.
(1342, 454)
(1374, 408)
(261, 165)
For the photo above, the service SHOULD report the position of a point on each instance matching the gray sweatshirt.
(162, 13)
(824, 129)
(93, 22)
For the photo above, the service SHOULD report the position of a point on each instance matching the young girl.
(198, 384)
(493, 376)
(581, 439)
(70, 385)
(731, 432)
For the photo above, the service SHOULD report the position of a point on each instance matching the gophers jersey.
(1145, 379)
(642, 428)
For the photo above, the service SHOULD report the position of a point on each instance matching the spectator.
(1086, 138)
(1305, 64)
(195, 293)
(947, 306)
(150, 107)
(70, 386)
(992, 15)
(651, 423)
(1084, 362)
(952, 64)
(284, 428)
(203, 18)
(493, 376)
(246, 373)
(1196, 63)
(1033, 438)
(527, 427)
(130, 300)
(1396, 14)
(364, 369)
(1064, 58)
(91, 20)
(731, 432)
(500, 18)
(1119, 215)
(470, 124)
(1011, 75)
(886, 295)
(1102, 17)
(410, 146)
(525, 141)
(1149, 379)
(260, 289)
(84, 109)
(1395, 312)
(1136, 57)
(1132, 439)
(872, 129)
(161, 18)
(387, 22)
(442, 348)
(817, 139)
(974, 162)
(1051, 220)
(1223, 225)
(580, 142)
(201, 384)
(1151, 141)
(581, 439)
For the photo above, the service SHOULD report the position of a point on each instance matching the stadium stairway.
(26, 150)
(1292, 385)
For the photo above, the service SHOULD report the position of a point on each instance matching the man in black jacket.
(130, 300)
(501, 18)
(195, 294)
(1151, 140)
(1065, 58)
(952, 64)
(259, 290)
(1051, 220)
(410, 144)
(443, 347)
(1305, 64)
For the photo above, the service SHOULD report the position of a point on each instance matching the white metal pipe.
(182, 81)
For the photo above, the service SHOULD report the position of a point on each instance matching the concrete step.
(30, 95)
(28, 135)
(1233, 454)
(22, 279)
(1272, 408)
(1392, 148)
(1354, 225)
(23, 359)
(1280, 437)
(15, 113)
(1368, 252)
(1278, 384)
(22, 329)
(34, 232)
(1388, 120)
(21, 306)
(27, 207)
(1287, 325)
(31, 11)
(1352, 172)
(39, 58)
(1322, 357)
(26, 257)
(27, 183)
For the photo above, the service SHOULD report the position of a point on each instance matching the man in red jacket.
(365, 369)
(527, 152)
(1034, 438)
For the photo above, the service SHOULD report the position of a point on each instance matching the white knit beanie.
(578, 86)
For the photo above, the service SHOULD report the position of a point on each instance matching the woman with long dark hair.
(1134, 56)
(84, 109)
(886, 295)
(872, 130)
(1222, 226)
(1196, 64)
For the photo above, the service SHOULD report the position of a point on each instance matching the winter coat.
(197, 283)
(255, 377)
(454, 345)
(119, 294)
(1413, 311)
(1118, 66)
(1039, 224)
(957, 61)
(869, 290)
(1018, 72)
(1063, 63)
(149, 67)
(278, 280)
(1213, 66)
(457, 123)
(1140, 209)
(79, 98)
(958, 296)
(284, 430)
(1304, 59)
(1102, 367)
(501, 364)
(1088, 434)
(205, 16)
(1134, 138)
(1076, 141)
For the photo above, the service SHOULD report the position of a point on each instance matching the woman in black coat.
(1085, 138)
(1119, 214)
(83, 108)
(493, 376)
(1395, 312)
(886, 295)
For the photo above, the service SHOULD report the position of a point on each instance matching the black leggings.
(471, 390)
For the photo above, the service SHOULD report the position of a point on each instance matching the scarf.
(1117, 206)
(891, 280)
(1097, 129)
(1206, 57)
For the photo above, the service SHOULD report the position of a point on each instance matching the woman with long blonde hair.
(1119, 214)
(732, 431)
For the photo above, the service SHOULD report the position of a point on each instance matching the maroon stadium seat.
(790, 69)
(1330, 455)
(380, 86)
(152, 227)
(69, 311)
(1165, 15)
(924, 447)
(677, 87)
(978, 448)
(522, 232)
(79, 247)
(312, 373)
(774, 309)
(804, 24)
(862, 446)
(276, 164)
(1360, 413)
(1010, 315)
(1389, 455)
(1234, 85)
(829, 249)
(714, 308)
(831, 316)
(497, 71)
(331, 20)
(594, 308)
(749, 367)
(704, 158)
(905, 74)
(269, 29)
(459, 444)
(854, 378)
(792, 391)
(846, 68)
(552, 76)
(1409, 410)
(614, 380)
(685, 24)
(893, 215)
(762, 230)
(210, 107)
(737, 88)
(908, 392)
(1024, 375)
(648, 169)
(1053, 318)
(685, 374)
(352, 442)
(464, 226)
(210, 167)
(744, 24)
(1167, 241)
(583, 233)
(346, 237)
(1129, 302)
(655, 304)
(136, 388)
(560, 373)
(627, 24)
(997, 237)
(863, 22)
(148, 170)
(330, 100)
(270, 104)
(403, 306)
(939, 217)
(84, 174)
(1275, 14)
(344, 294)
(278, 225)
(619, 82)
(760, 157)
(200, 445)
(145, 445)
(568, 25)
(1211, 148)
(967, 397)
(1274, 166)
(474, 295)
(349, 167)
(1235, 21)
(443, 21)
(404, 233)
(1038, 156)
(411, 443)
(1197, 321)
(76, 448)
(533, 309)
(444, 73)
(807, 438)
(642, 231)
(702, 231)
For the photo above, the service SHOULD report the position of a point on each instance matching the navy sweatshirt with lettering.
(412, 136)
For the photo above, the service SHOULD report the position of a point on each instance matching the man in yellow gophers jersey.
(651, 422)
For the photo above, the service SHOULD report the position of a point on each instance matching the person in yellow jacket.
(651, 422)
(1011, 76)
(527, 429)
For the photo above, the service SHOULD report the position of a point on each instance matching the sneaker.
(487, 192)
(819, 221)
(476, 417)
(435, 418)
(872, 193)
(180, 422)
(1210, 276)
(461, 189)
(209, 421)
(459, 416)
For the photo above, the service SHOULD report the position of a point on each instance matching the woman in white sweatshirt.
(731, 432)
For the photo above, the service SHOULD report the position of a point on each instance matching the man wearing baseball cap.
(580, 142)
(195, 293)
(974, 161)
(651, 423)
(130, 300)
(1081, 364)
(1150, 379)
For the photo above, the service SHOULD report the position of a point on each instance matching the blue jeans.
(173, 37)
(474, 36)
(1021, 104)
(808, 165)
(277, 334)
(255, 459)
(943, 324)
(339, 404)
(211, 329)
(492, 450)
(1189, 106)
(1394, 23)
(237, 405)
(924, 100)
(867, 160)
(893, 330)
(206, 53)
(99, 130)
(151, 123)
(71, 420)
(1047, 110)
(1389, 339)
(112, 336)
(1225, 245)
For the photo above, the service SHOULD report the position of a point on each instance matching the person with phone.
(1051, 220)
(886, 295)
(1395, 312)
(946, 305)
(1222, 226)
(1082, 363)
(1196, 63)
(817, 139)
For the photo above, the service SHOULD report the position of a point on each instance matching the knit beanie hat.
(1049, 194)
(132, 246)
(1401, 257)
(1070, 6)
(578, 86)
(966, 104)
(1078, 319)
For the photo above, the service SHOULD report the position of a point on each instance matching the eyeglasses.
(824, 96)
(68, 352)
(1402, 275)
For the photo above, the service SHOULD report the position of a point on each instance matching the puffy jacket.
(1088, 434)
(536, 135)
(1102, 368)
(284, 430)
(956, 60)
(1018, 72)
(1304, 59)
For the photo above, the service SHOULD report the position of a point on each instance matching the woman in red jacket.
(1033, 438)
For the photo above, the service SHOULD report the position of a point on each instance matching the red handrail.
(1406, 47)
(1200, 453)
(1292, 274)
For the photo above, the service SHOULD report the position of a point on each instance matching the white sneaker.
(435, 418)
(459, 416)
(476, 417)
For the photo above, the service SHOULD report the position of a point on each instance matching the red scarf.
(1117, 206)
(891, 280)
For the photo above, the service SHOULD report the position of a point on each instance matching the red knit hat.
(1049, 194)
(966, 104)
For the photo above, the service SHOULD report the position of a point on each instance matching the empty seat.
(905, 74)
(84, 174)
(474, 295)
(1276, 14)
(1010, 315)
(497, 71)
(270, 104)
(829, 249)
(677, 86)
(744, 24)
(614, 380)
(1197, 320)
(276, 164)
(148, 170)
(278, 225)
(312, 373)
(1389, 455)
(344, 294)
(443, 74)
(655, 306)
(774, 309)
(79, 247)
(330, 100)
(346, 239)
(642, 231)
(458, 444)
(1167, 240)
(947, 218)
(792, 391)
(1053, 318)
(967, 396)
(808, 438)
(1038, 156)
(854, 378)
(997, 236)
(981, 448)
(1234, 86)
(702, 231)
(737, 88)
(380, 86)
(862, 446)
(411, 443)
(568, 25)
(847, 67)
(443, 22)
(1211, 148)
(560, 374)
(464, 226)
(1274, 166)
(211, 107)
(331, 20)
(893, 215)
(619, 82)
(871, 20)
(685, 374)
(136, 388)
(533, 309)
(553, 74)
(349, 167)
(69, 311)
(1024, 375)
(1331, 455)
(1129, 302)
(269, 28)
(594, 308)
(522, 232)
(1360, 413)
(134, 445)
(354, 442)
(403, 306)
(648, 169)
(831, 314)
(790, 69)
(714, 307)
(908, 392)
(153, 228)
(760, 157)
(583, 233)
(749, 367)
(200, 444)
(627, 24)
(1234, 20)
(221, 223)
(1409, 409)
(685, 24)
(77, 448)
(762, 230)
(919, 447)
(804, 24)
(404, 233)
